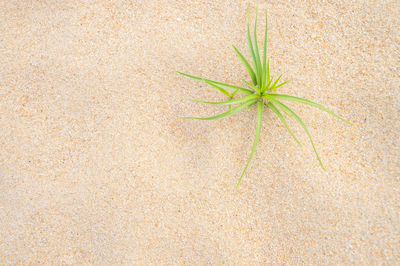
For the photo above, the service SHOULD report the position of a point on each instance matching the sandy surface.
(96, 167)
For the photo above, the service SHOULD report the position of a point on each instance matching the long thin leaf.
(250, 85)
(260, 107)
(268, 78)
(225, 85)
(244, 99)
(283, 106)
(287, 113)
(246, 65)
(302, 100)
(233, 94)
(276, 87)
(230, 112)
(257, 54)
(231, 97)
(274, 84)
(218, 88)
(265, 50)
(279, 114)
(253, 57)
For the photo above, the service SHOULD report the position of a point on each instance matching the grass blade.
(283, 83)
(279, 114)
(230, 112)
(233, 94)
(244, 99)
(302, 100)
(269, 80)
(250, 85)
(220, 84)
(218, 88)
(264, 81)
(286, 112)
(276, 81)
(246, 65)
(260, 107)
(253, 57)
(282, 106)
(267, 77)
(257, 54)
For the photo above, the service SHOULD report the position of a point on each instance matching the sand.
(97, 168)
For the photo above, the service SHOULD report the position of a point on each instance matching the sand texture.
(97, 168)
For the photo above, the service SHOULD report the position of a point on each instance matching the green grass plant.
(260, 91)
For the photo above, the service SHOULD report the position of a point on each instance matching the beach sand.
(97, 168)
